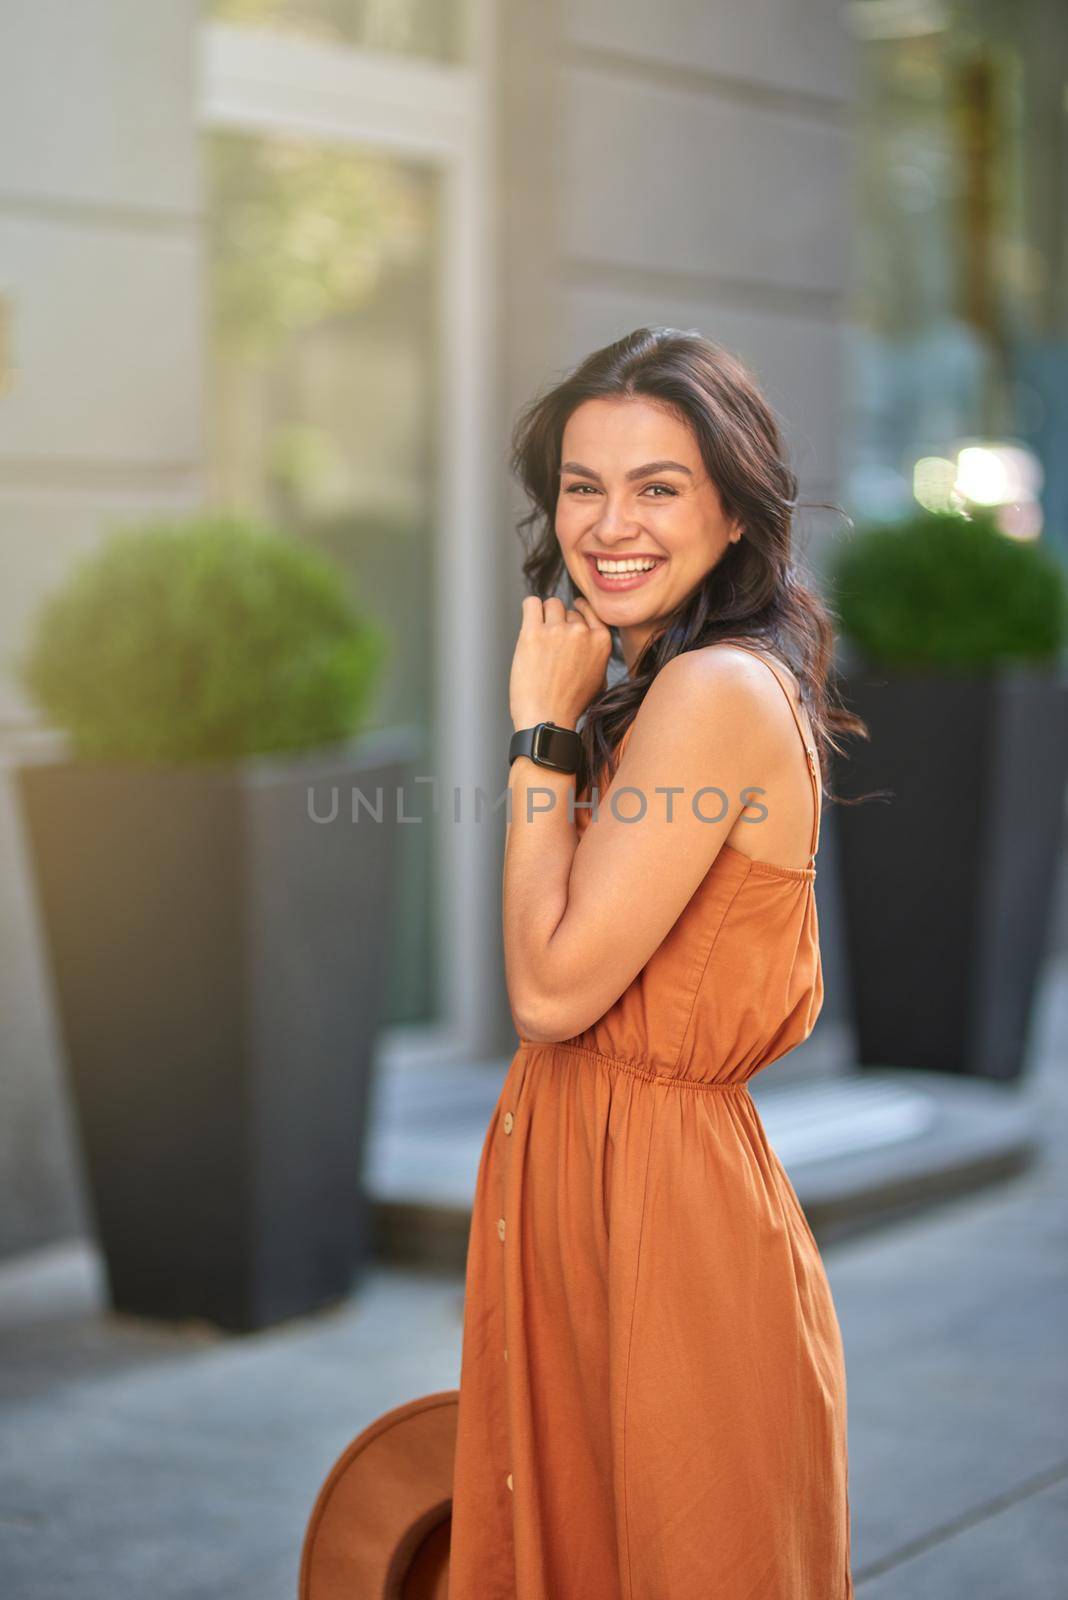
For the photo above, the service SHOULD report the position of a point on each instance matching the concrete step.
(861, 1148)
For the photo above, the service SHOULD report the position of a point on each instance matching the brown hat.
(380, 1527)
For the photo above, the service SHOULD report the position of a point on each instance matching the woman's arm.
(581, 919)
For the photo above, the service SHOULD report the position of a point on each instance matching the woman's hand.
(560, 661)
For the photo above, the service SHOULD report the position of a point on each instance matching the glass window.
(408, 27)
(959, 316)
(321, 284)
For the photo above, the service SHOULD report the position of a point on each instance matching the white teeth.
(609, 567)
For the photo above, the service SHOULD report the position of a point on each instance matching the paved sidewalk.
(137, 1461)
(954, 1327)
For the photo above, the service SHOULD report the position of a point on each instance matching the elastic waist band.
(638, 1069)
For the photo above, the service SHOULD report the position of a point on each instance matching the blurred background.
(288, 269)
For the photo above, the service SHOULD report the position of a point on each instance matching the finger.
(590, 615)
(554, 609)
(532, 611)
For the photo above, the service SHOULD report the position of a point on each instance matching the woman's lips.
(618, 583)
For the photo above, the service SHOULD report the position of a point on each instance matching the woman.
(652, 1393)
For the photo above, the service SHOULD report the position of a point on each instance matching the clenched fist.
(560, 661)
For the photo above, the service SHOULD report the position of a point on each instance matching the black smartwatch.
(548, 745)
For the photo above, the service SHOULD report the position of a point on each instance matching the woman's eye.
(582, 488)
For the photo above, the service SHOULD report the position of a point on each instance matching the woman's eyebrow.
(635, 472)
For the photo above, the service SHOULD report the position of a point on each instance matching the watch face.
(556, 747)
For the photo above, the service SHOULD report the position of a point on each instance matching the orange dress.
(652, 1389)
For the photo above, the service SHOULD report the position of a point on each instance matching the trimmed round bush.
(950, 592)
(201, 640)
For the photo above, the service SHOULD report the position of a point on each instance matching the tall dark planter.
(947, 887)
(219, 961)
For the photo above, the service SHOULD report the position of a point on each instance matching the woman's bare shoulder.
(747, 658)
(732, 677)
(716, 702)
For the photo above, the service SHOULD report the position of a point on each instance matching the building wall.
(684, 164)
(99, 421)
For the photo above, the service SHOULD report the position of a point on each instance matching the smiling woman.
(661, 448)
(652, 1394)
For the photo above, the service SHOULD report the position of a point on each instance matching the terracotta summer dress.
(652, 1391)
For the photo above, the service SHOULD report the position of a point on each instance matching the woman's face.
(638, 519)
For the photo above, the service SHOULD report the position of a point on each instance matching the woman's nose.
(613, 521)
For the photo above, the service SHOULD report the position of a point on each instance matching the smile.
(624, 572)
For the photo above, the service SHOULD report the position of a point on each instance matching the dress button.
(500, 1227)
(509, 1122)
(508, 1480)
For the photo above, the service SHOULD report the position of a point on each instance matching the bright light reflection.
(934, 483)
(1002, 477)
(982, 476)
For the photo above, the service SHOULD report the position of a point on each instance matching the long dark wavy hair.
(756, 593)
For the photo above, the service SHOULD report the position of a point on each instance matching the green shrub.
(201, 640)
(949, 592)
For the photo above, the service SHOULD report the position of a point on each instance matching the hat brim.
(379, 1529)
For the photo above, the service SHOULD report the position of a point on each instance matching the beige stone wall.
(687, 164)
(100, 422)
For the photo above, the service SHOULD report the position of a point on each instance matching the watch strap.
(548, 745)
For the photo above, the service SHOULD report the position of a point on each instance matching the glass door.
(321, 417)
(347, 369)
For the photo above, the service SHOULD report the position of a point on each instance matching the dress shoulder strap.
(810, 751)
